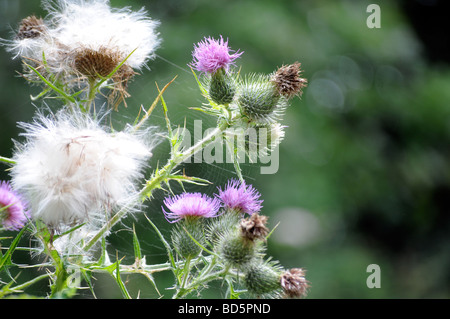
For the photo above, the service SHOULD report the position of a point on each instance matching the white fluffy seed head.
(71, 170)
(93, 24)
(74, 25)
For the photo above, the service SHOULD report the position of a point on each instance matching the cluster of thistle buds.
(254, 101)
(231, 226)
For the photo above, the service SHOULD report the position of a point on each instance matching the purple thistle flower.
(13, 212)
(211, 55)
(240, 197)
(190, 204)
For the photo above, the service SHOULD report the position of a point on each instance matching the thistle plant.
(74, 178)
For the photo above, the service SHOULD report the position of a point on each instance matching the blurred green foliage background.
(364, 174)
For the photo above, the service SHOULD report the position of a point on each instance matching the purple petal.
(240, 197)
(190, 204)
(14, 214)
(211, 55)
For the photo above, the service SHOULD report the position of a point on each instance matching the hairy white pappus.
(72, 170)
(93, 24)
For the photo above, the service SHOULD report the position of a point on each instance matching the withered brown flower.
(95, 63)
(294, 283)
(31, 27)
(288, 81)
(254, 227)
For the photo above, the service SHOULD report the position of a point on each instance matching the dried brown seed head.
(294, 283)
(95, 63)
(254, 227)
(31, 27)
(288, 81)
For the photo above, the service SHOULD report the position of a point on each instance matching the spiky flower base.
(187, 236)
(259, 100)
(221, 87)
(236, 251)
(262, 278)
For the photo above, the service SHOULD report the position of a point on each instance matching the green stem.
(61, 92)
(165, 172)
(159, 177)
(60, 284)
(206, 277)
(7, 160)
(186, 271)
(145, 269)
(106, 227)
(237, 166)
(32, 281)
(91, 93)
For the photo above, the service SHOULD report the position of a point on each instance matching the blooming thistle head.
(211, 55)
(191, 209)
(13, 210)
(240, 197)
(188, 205)
(241, 243)
(213, 58)
(288, 81)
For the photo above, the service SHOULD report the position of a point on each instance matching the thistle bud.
(262, 278)
(259, 100)
(219, 226)
(222, 87)
(241, 245)
(182, 241)
(236, 250)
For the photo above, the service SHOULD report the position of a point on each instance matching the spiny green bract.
(259, 100)
(221, 87)
(262, 278)
(182, 236)
(220, 226)
(236, 250)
